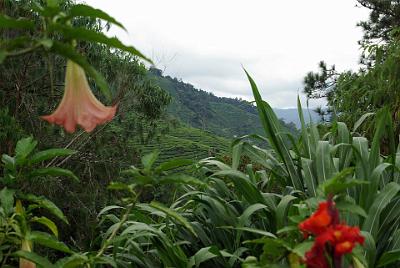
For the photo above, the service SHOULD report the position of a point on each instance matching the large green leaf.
(340, 182)
(21, 23)
(7, 200)
(389, 257)
(96, 37)
(382, 199)
(305, 137)
(33, 257)
(23, 148)
(324, 162)
(302, 248)
(46, 222)
(174, 215)
(383, 126)
(53, 172)
(181, 179)
(202, 255)
(244, 219)
(42, 202)
(173, 164)
(361, 120)
(309, 178)
(50, 154)
(9, 162)
(250, 230)
(369, 247)
(148, 160)
(351, 208)
(273, 132)
(88, 11)
(282, 209)
(243, 186)
(49, 241)
(76, 260)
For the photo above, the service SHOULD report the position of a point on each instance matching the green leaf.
(302, 248)
(106, 260)
(181, 179)
(370, 248)
(149, 159)
(96, 37)
(351, 208)
(23, 148)
(108, 208)
(73, 261)
(273, 131)
(250, 230)
(245, 217)
(340, 182)
(174, 163)
(324, 162)
(309, 177)
(53, 172)
(7, 200)
(69, 52)
(173, 214)
(361, 120)
(43, 202)
(33, 257)
(50, 154)
(382, 199)
(48, 223)
(202, 255)
(88, 11)
(243, 186)
(287, 229)
(282, 208)
(49, 241)
(21, 23)
(8, 161)
(389, 257)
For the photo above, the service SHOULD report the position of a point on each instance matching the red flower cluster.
(332, 239)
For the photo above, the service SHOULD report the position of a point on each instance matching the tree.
(351, 94)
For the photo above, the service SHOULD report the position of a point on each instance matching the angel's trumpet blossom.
(79, 106)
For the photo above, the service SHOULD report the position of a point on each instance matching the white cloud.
(205, 42)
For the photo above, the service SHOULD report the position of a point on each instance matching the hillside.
(185, 142)
(222, 116)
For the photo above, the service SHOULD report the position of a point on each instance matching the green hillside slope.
(200, 109)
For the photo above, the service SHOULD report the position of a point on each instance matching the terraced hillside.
(186, 142)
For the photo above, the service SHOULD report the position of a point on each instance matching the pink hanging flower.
(79, 106)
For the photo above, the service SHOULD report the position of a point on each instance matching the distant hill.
(291, 115)
(222, 116)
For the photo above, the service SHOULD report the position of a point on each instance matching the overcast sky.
(206, 42)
